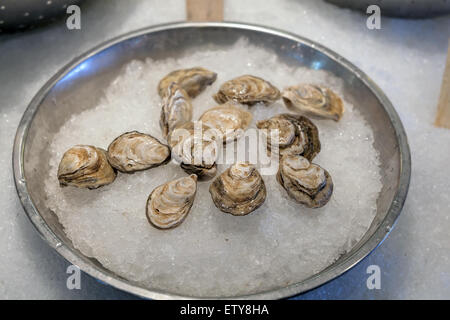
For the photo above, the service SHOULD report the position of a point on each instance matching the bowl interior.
(80, 86)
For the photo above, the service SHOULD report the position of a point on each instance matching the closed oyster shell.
(305, 182)
(194, 146)
(248, 90)
(176, 109)
(230, 120)
(135, 151)
(193, 80)
(296, 135)
(313, 100)
(169, 204)
(85, 166)
(239, 190)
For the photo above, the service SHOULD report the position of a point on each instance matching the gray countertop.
(405, 58)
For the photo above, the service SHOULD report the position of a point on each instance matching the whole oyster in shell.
(135, 151)
(169, 204)
(176, 109)
(305, 182)
(85, 166)
(194, 146)
(239, 190)
(248, 90)
(193, 80)
(296, 135)
(315, 101)
(230, 120)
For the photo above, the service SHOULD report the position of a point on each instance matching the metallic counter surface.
(405, 58)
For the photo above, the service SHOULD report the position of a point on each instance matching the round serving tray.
(79, 85)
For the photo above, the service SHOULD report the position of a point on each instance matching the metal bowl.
(79, 86)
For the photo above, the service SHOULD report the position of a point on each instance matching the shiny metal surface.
(400, 8)
(78, 86)
(23, 14)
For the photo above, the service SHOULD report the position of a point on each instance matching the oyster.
(247, 90)
(85, 167)
(305, 182)
(228, 119)
(296, 135)
(239, 190)
(193, 80)
(176, 109)
(135, 151)
(314, 101)
(169, 204)
(194, 146)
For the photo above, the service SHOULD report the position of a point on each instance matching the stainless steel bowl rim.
(319, 279)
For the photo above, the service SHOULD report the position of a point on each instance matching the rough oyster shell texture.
(296, 135)
(239, 190)
(194, 146)
(169, 204)
(248, 90)
(193, 80)
(85, 166)
(230, 120)
(176, 109)
(135, 151)
(313, 100)
(305, 182)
